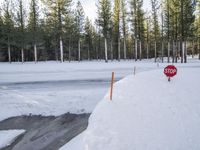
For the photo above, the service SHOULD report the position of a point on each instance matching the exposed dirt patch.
(45, 133)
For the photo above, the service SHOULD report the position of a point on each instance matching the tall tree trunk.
(193, 47)
(168, 52)
(162, 53)
(69, 55)
(111, 50)
(147, 50)
(185, 54)
(140, 50)
(125, 48)
(182, 51)
(88, 51)
(119, 50)
(176, 52)
(61, 50)
(155, 51)
(199, 48)
(22, 54)
(97, 53)
(106, 50)
(136, 50)
(173, 60)
(182, 32)
(79, 50)
(9, 54)
(35, 53)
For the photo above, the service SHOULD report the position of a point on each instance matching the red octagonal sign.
(170, 71)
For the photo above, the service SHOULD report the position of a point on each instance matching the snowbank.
(75, 144)
(9, 136)
(148, 113)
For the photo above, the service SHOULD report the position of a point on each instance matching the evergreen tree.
(58, 9)
(1, 35)
(155, 7)
(137, 18)
(116, 26)
(80, 17)
(134, 20)
(89, 36)
(8, 27)
(124, 26)
(141, 28)
(70, 34)
(104, 21)
(197, 26)
(33, 23)
(21, 28)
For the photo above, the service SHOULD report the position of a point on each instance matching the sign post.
(170, 71)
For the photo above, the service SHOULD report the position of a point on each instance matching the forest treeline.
(41, 30)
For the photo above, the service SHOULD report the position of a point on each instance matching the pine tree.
(80, 17)
(104, 20)
(155, 7)
(124, 26)
(1, 35)
(197, 26)
(70, 34)
(8, 26)
(88, 36)
(33, 23)
(116, 26)
(141, 28)
(58, 9)
(134, 20)
(21, 27)
(137, 18)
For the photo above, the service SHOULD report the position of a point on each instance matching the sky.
(90, 8)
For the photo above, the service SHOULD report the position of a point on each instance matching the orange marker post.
(111, 86)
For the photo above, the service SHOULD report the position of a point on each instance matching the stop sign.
(170, 71)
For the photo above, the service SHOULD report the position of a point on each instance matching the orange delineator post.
(111, 86)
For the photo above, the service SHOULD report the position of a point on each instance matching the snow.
(9, 136)
(53, 88)
(75, 144)
(148, 112)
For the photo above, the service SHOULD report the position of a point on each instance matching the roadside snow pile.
(148, 113)
(9, 136)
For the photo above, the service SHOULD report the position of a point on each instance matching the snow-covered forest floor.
(53, 88)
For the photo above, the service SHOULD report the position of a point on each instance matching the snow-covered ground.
(52, 88)
(7, 137)
(147, 112)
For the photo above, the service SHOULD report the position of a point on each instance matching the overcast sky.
(90, 7)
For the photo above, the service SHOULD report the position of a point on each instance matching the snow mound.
(148, 113)
(8, 137)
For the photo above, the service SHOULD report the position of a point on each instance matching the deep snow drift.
(148, 113)
(7, 137)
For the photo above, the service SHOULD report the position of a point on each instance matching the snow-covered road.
(52, 88)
